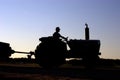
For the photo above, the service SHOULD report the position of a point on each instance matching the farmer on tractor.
(57, 35)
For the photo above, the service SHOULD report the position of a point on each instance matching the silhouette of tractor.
(53, 53)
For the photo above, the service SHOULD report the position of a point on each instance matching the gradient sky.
(23, 22)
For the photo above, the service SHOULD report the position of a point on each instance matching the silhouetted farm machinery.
(6, 51)
(53, 53)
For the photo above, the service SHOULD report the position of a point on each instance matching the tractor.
(53, 53)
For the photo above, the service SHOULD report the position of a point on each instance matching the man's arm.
(65, 38)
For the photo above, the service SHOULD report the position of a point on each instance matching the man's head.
(57, 29)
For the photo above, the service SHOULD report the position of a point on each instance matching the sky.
(23, 22)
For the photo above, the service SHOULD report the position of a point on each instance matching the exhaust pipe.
(87, 32)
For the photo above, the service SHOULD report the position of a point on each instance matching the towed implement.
(6, 51)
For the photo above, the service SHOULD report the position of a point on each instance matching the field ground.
(32, 71)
